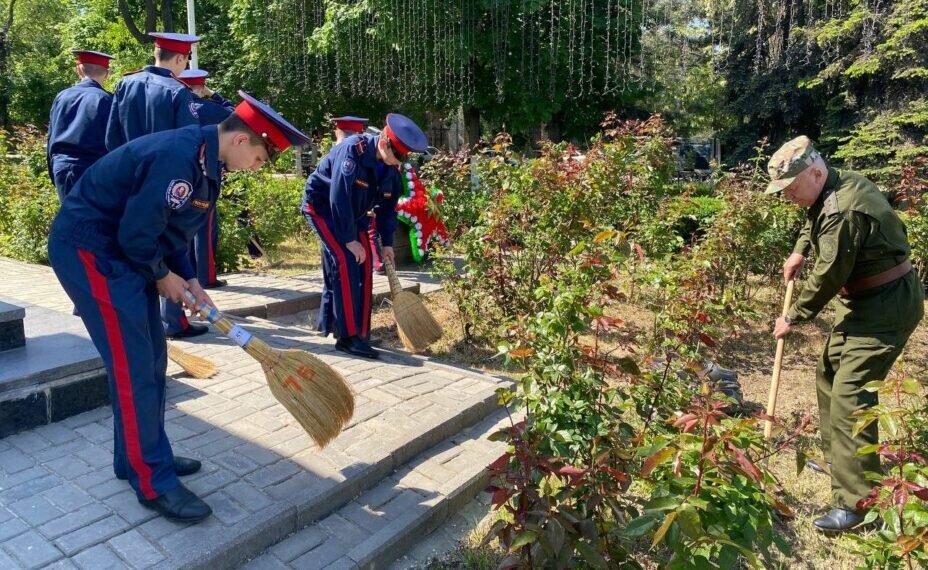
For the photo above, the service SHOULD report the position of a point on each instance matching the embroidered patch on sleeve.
(828, 249)
(361, 182)
(201, 204)
(348, 167)
(178, 193)
(193, 110)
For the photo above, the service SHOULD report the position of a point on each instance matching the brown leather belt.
(867, 283)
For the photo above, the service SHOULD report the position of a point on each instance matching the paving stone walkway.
(62, 507)
(246, 295)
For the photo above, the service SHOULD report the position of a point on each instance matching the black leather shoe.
(180, 505)
(182, 466)
(216, 284)
(814, 466)
(838, 520)
(189, 332)
(356, 346)
(186, 465)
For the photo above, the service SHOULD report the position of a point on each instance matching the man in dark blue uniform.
(152, 100)
(358, 174)
(121, 239)
(77, 122)
(212, 108)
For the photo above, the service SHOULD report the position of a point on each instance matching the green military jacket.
(855, 233)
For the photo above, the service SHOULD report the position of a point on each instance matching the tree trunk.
(472, 125)
(167, 17)
(151, 19)
(5, 44)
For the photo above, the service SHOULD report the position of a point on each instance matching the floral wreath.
(418, 208)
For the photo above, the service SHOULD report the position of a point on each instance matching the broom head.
(415, 324)
(195, 366)
(314, 393)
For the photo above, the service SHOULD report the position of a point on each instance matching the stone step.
(389, 519)
(316, 490)
(12, 333)
(57, 374)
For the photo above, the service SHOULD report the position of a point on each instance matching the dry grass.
(298, 255)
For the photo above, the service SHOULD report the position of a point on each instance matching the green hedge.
(28, 202)
(261, 204)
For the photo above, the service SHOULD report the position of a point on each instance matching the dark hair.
(234, 123)
(93, 70)
(164, 54)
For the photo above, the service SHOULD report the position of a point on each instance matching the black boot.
(186, 465)
(180, 505)
(356, 346)
(182, 466)
(190, 331)
(814, 466)
(838, 520)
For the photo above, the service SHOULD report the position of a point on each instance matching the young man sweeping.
(121, 240)
(358, 174)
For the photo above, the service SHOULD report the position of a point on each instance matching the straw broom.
(312, 391)
(194, 365)
(415, 324)
(777, 364)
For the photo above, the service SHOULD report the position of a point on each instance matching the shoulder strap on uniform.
(132, 72)
(179, 80)
(360, 147)
(830, 208)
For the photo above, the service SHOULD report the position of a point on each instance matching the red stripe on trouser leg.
(123, 381)
(366, 291)
(371, 233)
(345, 286)
(210, 254)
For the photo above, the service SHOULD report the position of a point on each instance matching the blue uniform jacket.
(214, 110)
(345, 187)
(77, 126)
(146, 200)
(149, 101)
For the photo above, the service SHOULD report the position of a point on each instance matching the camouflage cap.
(787, 162)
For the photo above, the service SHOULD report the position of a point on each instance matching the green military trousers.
(848, 362)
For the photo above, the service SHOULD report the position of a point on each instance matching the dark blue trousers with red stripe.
(121, 313)
(203, 254)
(346, 294)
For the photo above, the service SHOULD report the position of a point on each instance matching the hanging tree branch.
(151, 19)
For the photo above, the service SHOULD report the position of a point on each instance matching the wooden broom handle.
(777, 363)
(395, 285)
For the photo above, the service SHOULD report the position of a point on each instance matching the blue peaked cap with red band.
(266, 123)
(404, 134)
(178, 43)
(194, 76)
(92, 57)
(350, 123)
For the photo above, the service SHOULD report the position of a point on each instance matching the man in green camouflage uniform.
(862, 257)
